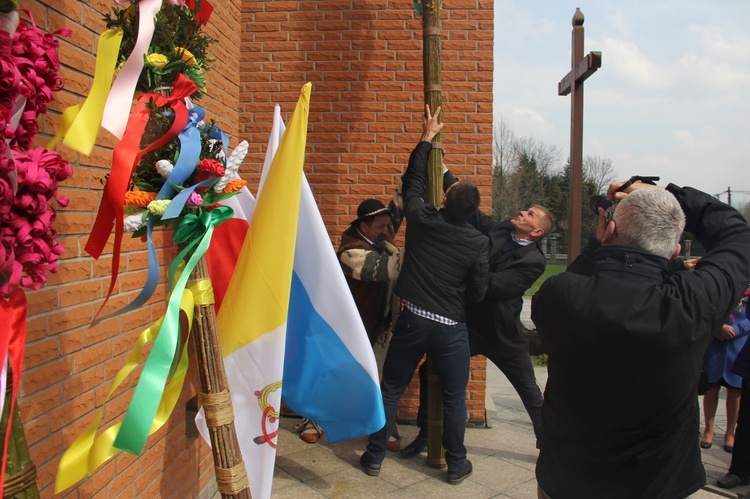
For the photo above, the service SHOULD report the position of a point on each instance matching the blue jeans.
(520, 372)
(448, 346)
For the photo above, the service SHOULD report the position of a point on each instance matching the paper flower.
(158, 207)
(164, 167)
(28, 77)
(139, 198)
(178, 46)
(134, 222)
(157, 60)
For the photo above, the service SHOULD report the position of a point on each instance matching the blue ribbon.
(190, 153)
(178, 202)
(152, 278)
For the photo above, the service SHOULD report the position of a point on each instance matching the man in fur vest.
(371, 263)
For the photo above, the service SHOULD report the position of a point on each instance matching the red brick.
(45, 375)
(41, 351)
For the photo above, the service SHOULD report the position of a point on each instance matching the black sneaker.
(371, 469)
(418, 445)
(456, 477)
(730, 481)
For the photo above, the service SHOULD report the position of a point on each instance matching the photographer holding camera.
(625, 339)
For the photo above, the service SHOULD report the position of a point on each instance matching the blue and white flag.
(330, 373)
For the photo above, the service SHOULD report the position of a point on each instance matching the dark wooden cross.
(581, 68)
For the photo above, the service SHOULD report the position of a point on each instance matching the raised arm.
(414, 179)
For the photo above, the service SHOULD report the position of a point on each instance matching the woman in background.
(718, 361)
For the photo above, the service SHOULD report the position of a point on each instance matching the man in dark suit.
(516, 261)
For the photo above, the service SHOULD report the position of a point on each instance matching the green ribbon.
(196, 231)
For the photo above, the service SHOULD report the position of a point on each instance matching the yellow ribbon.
(80, 123)
(87, 453)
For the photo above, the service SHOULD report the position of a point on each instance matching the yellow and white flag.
(253, 314)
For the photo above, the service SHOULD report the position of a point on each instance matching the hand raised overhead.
(430, 125)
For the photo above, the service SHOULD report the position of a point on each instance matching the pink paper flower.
(194, 200)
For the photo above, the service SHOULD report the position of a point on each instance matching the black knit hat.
(369, 208)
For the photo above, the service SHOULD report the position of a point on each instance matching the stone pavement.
(504, 456)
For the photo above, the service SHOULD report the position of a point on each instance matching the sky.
(671, 99)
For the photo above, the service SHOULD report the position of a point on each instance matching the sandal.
(394, 444)
(309, 431)
(394, 441)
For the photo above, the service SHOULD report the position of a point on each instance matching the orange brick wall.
(364, 59)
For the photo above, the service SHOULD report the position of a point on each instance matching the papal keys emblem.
(269, 422)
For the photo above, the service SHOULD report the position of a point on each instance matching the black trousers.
(519, 371)
(740, 464)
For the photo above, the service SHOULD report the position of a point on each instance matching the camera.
(603, 202)
(599, 201)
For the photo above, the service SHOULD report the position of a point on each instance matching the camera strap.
(637, 178)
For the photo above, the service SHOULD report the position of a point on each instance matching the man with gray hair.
(625, 340)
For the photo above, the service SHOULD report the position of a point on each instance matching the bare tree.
(599, 171)
(522, 168)
(545, 157)
(503, 147)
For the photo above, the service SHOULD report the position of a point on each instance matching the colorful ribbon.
(144, 404)
(12, 346)
(80, 123)
(86, 454)
(190, 152)
(204, 13)
(121, 96)
(124, 159)
(178, 202)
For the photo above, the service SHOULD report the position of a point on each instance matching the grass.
(552, 269)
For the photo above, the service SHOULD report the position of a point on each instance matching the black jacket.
(495, 323)
(625, 339)
(445, 263)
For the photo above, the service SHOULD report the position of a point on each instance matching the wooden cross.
(581, 68)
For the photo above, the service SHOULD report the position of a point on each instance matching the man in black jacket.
(626, 338)
(445, 269)
(516, 261)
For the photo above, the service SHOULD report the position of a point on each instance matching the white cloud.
(684, 137)
(620, 24)
(530, 120)
(625, 59)
(723, 43)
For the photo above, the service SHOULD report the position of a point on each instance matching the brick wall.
(364, 59)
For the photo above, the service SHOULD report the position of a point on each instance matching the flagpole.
(433, 97)
(231, 475)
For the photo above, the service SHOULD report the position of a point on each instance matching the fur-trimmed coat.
(371, 273)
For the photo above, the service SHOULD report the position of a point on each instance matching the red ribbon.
(204, 13)
(12, 345)
(125, 157)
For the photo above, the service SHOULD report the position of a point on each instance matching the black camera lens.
(599, 201)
